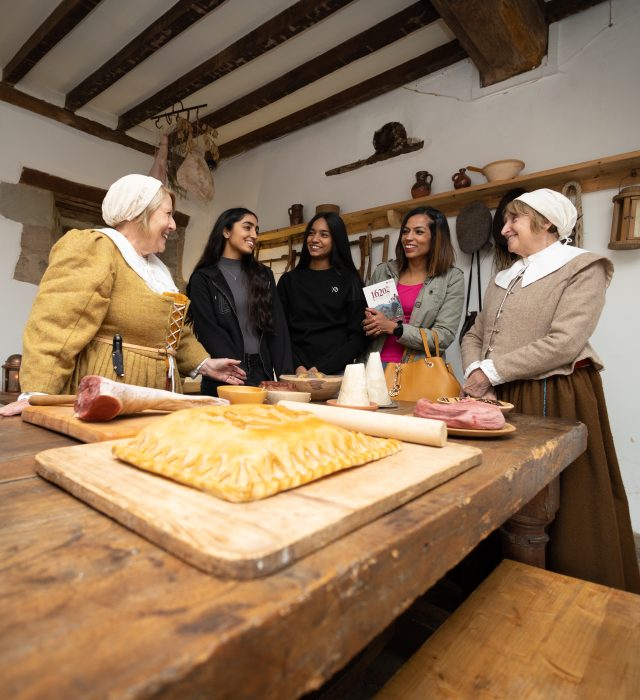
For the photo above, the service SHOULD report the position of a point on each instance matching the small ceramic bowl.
(283, 395)
(242, 394)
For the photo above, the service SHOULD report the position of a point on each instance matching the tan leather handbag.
(429, 377)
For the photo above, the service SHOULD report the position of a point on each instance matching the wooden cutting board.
(61, 420)
(249, 540)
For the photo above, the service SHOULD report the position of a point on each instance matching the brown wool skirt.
(591, 537)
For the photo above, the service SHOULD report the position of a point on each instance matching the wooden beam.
(75, 190)
(290, 22)
(386, 32)
(502, 37)
(422, 65)
(58, 24)
(173, 22)
(20, 99)
(555, 10)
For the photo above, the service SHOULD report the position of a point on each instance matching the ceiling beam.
(172, 23)
(386, 32)
(20, 99)
(418, 67)
(502, 37)
(58, 24)
(555, 10)
(288, 23)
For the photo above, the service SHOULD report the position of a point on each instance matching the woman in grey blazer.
(430, 288)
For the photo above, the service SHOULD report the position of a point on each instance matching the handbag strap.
(425, 342)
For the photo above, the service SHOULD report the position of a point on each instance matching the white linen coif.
(128, 197)
(555, 207)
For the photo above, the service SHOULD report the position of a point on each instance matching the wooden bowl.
(502, 169)
(283, 395)
(321, 388)
(242, 394)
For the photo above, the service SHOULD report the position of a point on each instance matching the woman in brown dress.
(530, 346)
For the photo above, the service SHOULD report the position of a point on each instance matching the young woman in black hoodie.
(234, 303)
(323, 301)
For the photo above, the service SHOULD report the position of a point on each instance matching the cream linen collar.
(152, 270)
(539, 264)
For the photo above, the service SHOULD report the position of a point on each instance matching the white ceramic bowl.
(283, 395)
(502, 169)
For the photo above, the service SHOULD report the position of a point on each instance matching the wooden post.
(524, 536)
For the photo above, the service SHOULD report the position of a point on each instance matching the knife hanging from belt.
(116, 356)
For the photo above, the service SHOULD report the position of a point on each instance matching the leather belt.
(160, 351)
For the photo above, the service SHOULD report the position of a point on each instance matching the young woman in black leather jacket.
(234, 304)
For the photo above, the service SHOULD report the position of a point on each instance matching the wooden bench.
(529, 633)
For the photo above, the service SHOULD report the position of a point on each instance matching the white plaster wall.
(586, 107)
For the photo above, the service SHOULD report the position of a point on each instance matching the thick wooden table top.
(88, 609)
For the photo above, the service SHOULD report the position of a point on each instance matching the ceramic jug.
(461, 179)
(422, 186)
(295, 214)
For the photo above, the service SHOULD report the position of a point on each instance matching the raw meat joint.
(101, 399)
(246, 452)
(471, 414)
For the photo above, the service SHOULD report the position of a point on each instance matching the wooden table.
(88, 609)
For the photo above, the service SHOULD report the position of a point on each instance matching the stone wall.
(46, 216)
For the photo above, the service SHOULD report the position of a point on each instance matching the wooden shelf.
(593, 175)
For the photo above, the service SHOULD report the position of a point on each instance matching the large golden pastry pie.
(245, 452)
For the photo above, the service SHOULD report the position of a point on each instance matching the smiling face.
(522, 238)
(241, 238)
(416, 237)
(159, 227)
(320, 243)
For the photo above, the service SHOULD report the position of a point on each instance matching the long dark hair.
(441, 255)
(341, 258)
(259, 296)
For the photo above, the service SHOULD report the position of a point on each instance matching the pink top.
(392, 350)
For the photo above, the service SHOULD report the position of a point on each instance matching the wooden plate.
(504, 406)
(468, 432)
(371, 407)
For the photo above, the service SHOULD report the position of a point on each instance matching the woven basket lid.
(498, 217)
(473, 227)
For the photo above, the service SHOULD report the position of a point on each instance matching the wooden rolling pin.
(52, 399)
(422, 431)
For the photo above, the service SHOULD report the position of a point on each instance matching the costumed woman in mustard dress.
(530, 346)
(102, 282)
